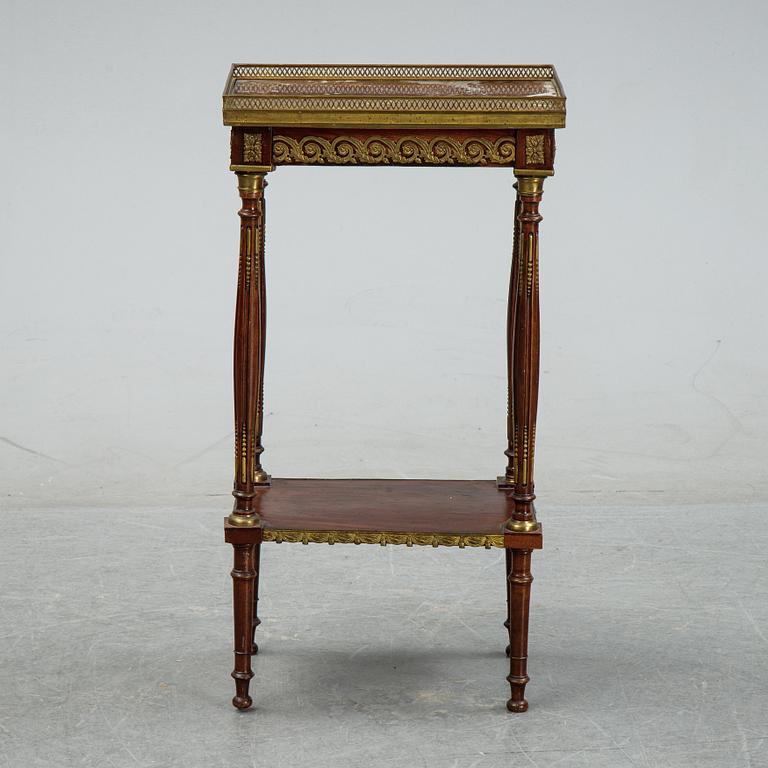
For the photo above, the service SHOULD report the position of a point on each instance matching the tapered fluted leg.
(249, 350)
(523, 335)
(508, 563)
(243, 580)
(256, 619)
(519, 601)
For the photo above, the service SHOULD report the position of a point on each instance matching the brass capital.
(530, 185)
(250, 184)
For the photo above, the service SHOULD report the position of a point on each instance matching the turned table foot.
(519, 579)
(243, 588)
(256, 619)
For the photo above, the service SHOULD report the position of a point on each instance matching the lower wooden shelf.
(460, 513)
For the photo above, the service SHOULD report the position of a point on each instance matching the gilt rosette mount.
(411, 116)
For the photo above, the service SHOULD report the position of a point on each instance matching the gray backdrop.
(387, 287)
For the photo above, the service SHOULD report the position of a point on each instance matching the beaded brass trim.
(383, 538)
(379, 150)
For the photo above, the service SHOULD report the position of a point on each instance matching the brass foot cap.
(242, 702)
(517, 706)
(260, 477)
(522, 526)
(244, 521)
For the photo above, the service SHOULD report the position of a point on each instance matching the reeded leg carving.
(523, 352)
(256, 619)
(243, 580)
(509, 473)
(519, 602)
(250, 336)
(508, 564)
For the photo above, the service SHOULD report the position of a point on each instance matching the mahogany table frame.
(472, 116)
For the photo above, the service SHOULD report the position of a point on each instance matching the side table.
(470, 116)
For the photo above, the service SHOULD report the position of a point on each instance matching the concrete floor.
(649, 646)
